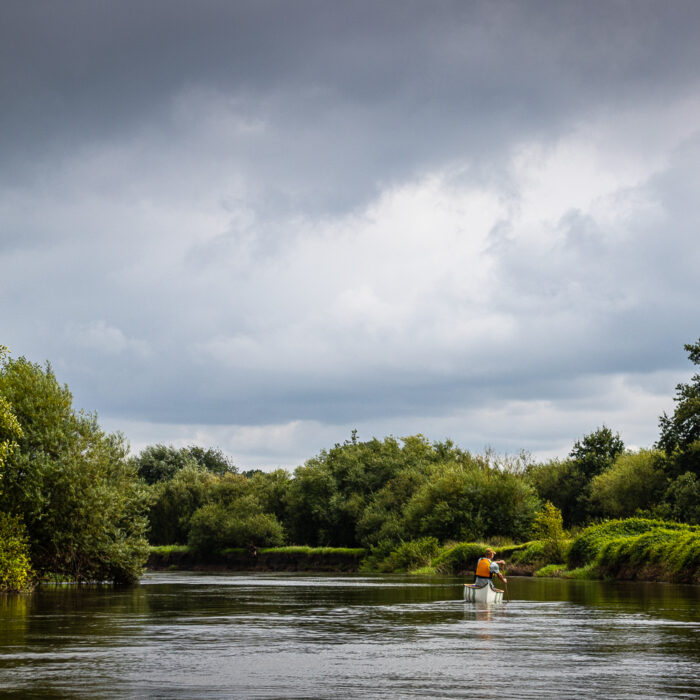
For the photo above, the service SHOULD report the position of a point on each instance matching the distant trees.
(160, 463)
(375, 494)
(601, 480)
(469, 500)
(567, 483)
(633, 483)
(73, 503)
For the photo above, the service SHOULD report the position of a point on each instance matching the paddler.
(487, 568)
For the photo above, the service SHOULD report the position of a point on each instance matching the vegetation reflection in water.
(197, 635)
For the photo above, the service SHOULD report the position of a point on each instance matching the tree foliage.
(10, 429)
(70, 482)
(682, 501)
(633, 483)
(680, 433)
(567, 483)
(241, 523)
(175, 501)
(549, 527)
(160, 462)
(596, 451)
(15, 566)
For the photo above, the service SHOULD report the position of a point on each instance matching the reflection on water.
(284, 635)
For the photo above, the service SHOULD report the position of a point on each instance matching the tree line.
(73, 502)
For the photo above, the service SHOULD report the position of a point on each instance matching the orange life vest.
(483, 567)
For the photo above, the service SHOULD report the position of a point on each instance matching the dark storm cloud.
(355, 94)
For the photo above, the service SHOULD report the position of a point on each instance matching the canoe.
(483, 594)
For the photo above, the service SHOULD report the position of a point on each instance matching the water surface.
(191, 635)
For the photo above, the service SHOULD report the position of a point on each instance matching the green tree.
(175, 501)
(680, 433)
(70, 483)
(596, 451)
(15, 567)
(634, 482)
(211, 459)
(310, 516)
(382, 518)
(271, 489)
(682, 499)
(470, 501)
(567, 483)
(561, 483)
(241, 523)
(160, 462)
(157, 463)
(549, 527)
(10, 429)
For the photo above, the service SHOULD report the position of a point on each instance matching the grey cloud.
(355, 95)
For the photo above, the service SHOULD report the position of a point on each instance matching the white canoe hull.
(485, 594)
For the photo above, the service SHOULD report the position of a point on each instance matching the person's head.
(489, 553)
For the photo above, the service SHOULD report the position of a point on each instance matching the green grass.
(291, 549)
(302, 549)
(550, 571)
(424, 571)
(637, 549)
(587, 573)
(169, 549)
(588, 544)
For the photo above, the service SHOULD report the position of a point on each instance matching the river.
(196, 635)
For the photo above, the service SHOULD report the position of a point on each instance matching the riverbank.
(634, 549)
(323, 559)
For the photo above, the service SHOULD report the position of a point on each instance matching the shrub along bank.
(630, 549)
(336, 559)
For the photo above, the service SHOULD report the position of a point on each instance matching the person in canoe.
(487, 568)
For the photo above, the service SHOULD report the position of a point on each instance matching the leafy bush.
(534, 553)
(175, 501)
(411, 555)
(683, 498)
(15, 568)
(548, 526)
(632, 483)
(551, 571)
(459, 558)
(586, 546)
(469, 500)
(661, 554)
(216, 526)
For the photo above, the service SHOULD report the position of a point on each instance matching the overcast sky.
(259, 225)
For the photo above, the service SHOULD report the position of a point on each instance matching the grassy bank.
(292, 558)
(630, 549)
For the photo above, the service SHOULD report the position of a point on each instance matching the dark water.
(298, 636)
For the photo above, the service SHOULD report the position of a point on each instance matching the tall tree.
(680, 433)
(10, 429)
(596, 451)
(71, 483)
